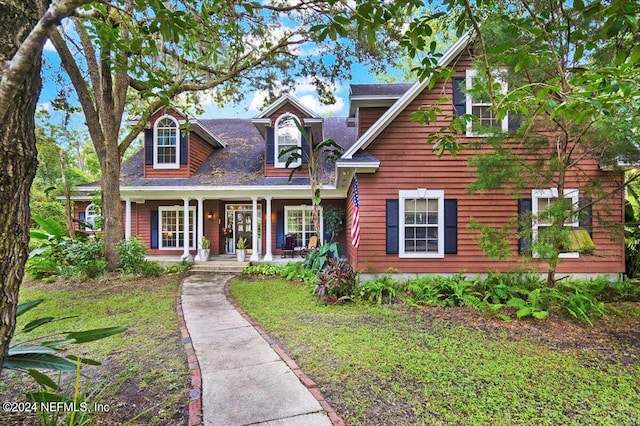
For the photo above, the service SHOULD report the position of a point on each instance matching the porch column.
(127, 218)
(200, 232)
(254, 230)
(185, 228)
(268, 256)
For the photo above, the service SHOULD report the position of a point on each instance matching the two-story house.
(226, 179)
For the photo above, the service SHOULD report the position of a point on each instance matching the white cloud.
(44, 106)
(305, 92)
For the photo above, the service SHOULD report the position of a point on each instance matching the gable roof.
(283, 100)
(404, 101)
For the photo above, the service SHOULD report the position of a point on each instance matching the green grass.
(381, 365)
(144, 378)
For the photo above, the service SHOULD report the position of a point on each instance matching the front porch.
(222, 259)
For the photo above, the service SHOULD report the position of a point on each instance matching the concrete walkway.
(244, 381)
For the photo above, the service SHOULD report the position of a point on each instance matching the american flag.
(355, 223)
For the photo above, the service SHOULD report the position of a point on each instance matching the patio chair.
(312, 246)
(289, 245)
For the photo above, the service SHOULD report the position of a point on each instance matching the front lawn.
(143, 379)
(394, 365)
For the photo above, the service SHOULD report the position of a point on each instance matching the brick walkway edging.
(195, 395)
(336, 420)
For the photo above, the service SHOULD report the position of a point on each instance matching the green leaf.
(43, 380)
(27, 349)
(39, 361)
(46, 397)
(96, 334)
(36, 323)
(24, 307)
(540, 314)
(87, 361)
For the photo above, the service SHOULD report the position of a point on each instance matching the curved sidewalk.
(244, 381)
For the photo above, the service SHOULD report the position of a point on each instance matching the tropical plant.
(333, 221)
(205, 244)
(34, 356)
(241, 244)
(317, 260)
(327, 150)
(336, 282)
(379, 290)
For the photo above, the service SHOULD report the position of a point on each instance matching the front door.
(243, 226)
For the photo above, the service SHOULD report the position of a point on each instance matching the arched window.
(287, 135)
(167, 146)
(93, 217)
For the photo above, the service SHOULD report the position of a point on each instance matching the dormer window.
(166, 144)
(287, 135)
(479, 104)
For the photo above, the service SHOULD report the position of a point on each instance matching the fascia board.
(404, 100)
(281, 101)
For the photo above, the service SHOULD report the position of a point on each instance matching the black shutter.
(393, 229)
(525, 207)
(451, 226)
(154, 229)
(586, 216)
(513, 121)
(184, 153)
(81, 220)
(270, 145)
(279, 228)
(148, 147)
(459, 97)
(306, 148)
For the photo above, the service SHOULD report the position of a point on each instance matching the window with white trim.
(166, 150)
(421, 223)
(287, 135)
(172, 228)
(93, 217)
(542, 199)
(298, 221)
(480, 104)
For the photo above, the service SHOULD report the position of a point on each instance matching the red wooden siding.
(367, 116)
(199, 151)
(407, 162)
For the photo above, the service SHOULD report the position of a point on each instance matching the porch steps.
(219, 266)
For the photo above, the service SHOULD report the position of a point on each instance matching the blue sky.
(304, 91)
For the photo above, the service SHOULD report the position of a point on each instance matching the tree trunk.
(67, 199)
(18, 162)
(111, 204)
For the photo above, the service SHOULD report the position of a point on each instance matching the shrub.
(443, 291)
(382, 289)
(178, 268)
(337, 282)
(296, 271)
(267, 269)
(150, 269)
(84, 259)
(132, 252)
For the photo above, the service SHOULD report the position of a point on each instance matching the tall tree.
(24, 26)
(135, 57)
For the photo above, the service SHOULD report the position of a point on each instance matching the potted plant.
(241, 247)
(205, 245)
